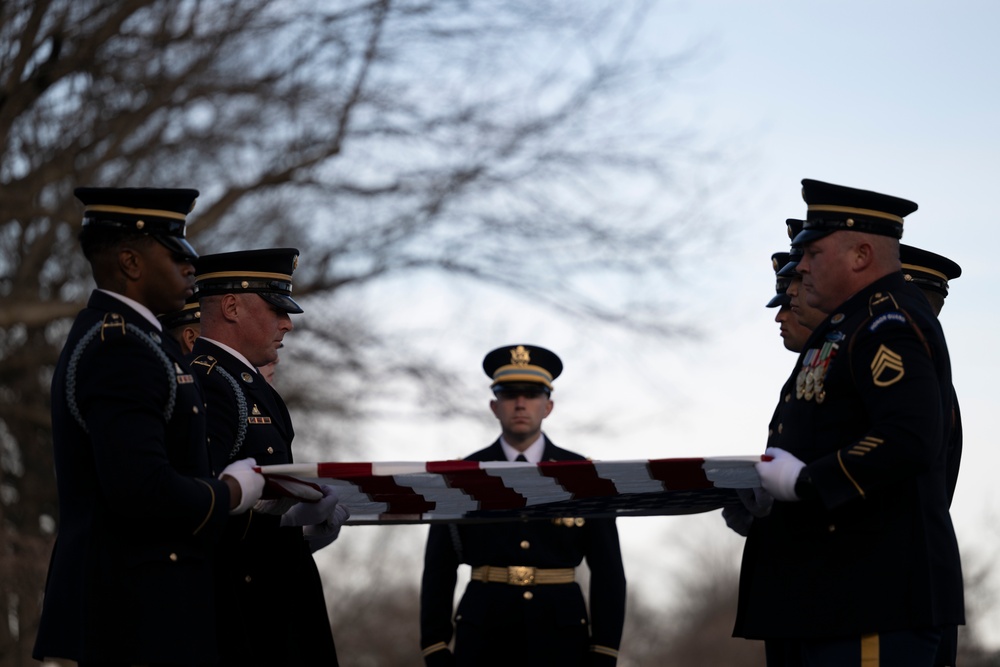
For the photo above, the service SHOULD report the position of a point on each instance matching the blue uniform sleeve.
(437, 592)
(607, 590)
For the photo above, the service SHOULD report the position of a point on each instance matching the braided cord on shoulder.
(81, 346)
(241, 409)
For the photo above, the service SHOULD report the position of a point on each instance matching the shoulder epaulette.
(206, 361)
(113, 326)
(882, 302)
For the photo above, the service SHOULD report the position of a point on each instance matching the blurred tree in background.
(527, 145)
(514, 143)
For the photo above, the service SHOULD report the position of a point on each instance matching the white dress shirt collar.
(533, 453)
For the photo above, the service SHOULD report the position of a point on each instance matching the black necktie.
(520, 457)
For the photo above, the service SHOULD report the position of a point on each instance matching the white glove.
(778, 476)
(276, 507)
(251, 483)
(321, 534)
(309, 514)
(756, 503)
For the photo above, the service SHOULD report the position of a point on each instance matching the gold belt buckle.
(521, 575)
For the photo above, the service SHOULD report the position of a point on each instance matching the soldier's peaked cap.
(780, 298)
(264, 272)
(522, 364)
(928, 270)
(158, 212)
(831, 208)
(189, 314)
(790, 270)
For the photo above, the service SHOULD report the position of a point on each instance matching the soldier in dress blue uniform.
(131, 577)
(857, 561)
(184, 324)
(271, 605)
(522, 605)
(931, 273)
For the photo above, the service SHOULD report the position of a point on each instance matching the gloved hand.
(276, 507)
(322, 534)
(756, 503)
(308, 514)
(778, 476)
(738, 518)
(251, 483)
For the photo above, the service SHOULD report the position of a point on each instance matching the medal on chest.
(809, 384)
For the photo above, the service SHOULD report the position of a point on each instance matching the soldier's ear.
(188, 336)
(130, 262)
(230, 307)
(862, 254)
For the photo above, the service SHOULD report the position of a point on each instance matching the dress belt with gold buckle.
(523, 575)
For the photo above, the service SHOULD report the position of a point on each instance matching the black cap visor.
(807, 236)
(789, 270)
(521, 388)
(779, 300)
(177, 245)
(282, 301)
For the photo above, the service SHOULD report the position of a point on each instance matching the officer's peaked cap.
(780, 298)
(790, 270)
(522, 364)
(264, 272)
(928, 270)
(158, 212)
(189, 314)
(831, 208)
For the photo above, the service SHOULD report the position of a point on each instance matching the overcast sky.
(898, 97)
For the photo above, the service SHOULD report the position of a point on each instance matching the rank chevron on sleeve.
(482, 491)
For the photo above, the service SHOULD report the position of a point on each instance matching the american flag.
(480, 491)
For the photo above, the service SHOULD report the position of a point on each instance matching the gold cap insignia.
(520, 356)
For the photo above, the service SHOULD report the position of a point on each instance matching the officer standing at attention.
(522, 606)
(130, 580)
(271, 605)
(857, 562)
(931, 273)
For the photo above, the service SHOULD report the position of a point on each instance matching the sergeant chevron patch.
(887, 367)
